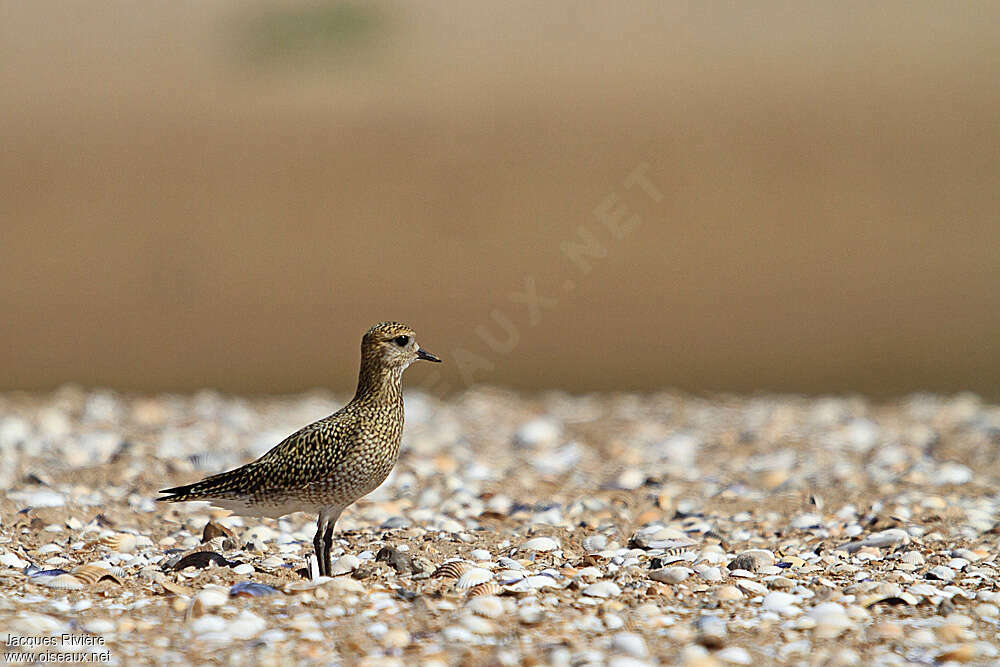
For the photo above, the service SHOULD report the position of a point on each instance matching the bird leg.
(321, 547)
(328, 544)
(323, 540)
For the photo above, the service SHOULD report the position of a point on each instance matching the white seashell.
(208, 623)
(734, 655)
(121, 542)
(489, 588)
(831, 620)
(534, 583)
(344, 564)
(508, 577)
(211, 598)
(537, 431)
(453, 569)
(488, 606)
(473, 577)
(509, 563)
(728, 593)
(540, 544)
(11, 560)
(671, 575)
(95, 572)
(247, 625)
(941, 573)
(781, 603)
(66, 582)
(752, 587)
(629, 643)
(682, 555)
(530, 614)
(272, 561)
(477, 625)
(594, 543)
(602, 589)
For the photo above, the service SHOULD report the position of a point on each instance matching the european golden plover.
(327, 465)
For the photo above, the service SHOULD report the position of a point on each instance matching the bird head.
(393, 345)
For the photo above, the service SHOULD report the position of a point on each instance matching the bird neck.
(378, 382)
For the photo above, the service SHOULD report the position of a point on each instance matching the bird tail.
(211, 487)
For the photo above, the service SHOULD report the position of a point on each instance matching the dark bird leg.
(323, 540)
(328, 545)
(322, 555)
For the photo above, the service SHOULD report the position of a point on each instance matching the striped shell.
(66, 582)
(120, 542)
(473, 577)
(487, 588)
(214, 544)
(91, 574)
(678, 555)
(453, 569)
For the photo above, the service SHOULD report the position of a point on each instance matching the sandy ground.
(611, 529)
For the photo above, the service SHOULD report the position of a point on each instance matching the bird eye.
(402, 341)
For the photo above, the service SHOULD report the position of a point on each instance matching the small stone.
(398, 560)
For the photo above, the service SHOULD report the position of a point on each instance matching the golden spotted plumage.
(329, 464)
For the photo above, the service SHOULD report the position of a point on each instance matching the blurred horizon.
(574, 196)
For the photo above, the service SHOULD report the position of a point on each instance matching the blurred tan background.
(227, 194)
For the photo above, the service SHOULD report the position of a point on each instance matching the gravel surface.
(610, 529)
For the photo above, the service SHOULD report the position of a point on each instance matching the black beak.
(426, 356)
